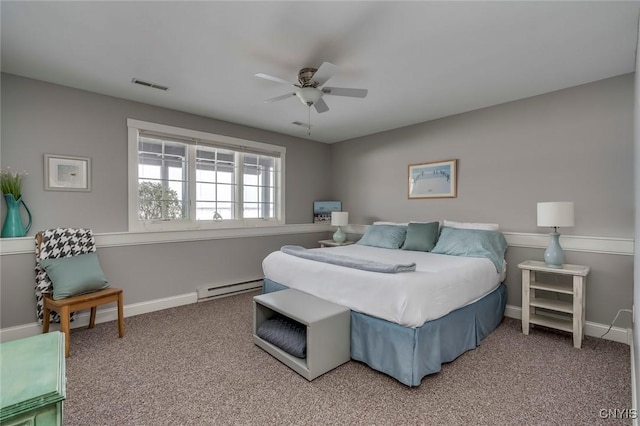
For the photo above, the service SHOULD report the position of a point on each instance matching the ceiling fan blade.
(272, 78)
(324, 73)
(344, 91)
(321, 106)
(279, 98)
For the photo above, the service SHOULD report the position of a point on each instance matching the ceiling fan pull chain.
(309, 122)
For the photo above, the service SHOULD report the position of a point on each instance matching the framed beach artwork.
(66, 173)
(433, 180)
(322, 210)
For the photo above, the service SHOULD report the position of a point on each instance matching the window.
(185, 179)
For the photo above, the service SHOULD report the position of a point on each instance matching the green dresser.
(32, 380)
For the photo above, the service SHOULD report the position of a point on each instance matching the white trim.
(616, 334)
(25, 245)
(605, 245)
(195, 134)
(634, 391)
(103, 315)
(132, 177)
(280, 189)
(593, 329)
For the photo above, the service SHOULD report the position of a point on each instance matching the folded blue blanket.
(347, 261)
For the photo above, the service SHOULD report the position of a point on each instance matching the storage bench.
(328, 330)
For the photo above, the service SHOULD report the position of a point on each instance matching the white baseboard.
(616, 334)
(634, 393)
(103, 315)
(594, 329)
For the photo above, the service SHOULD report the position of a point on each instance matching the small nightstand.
(331, 243)
(576, 308)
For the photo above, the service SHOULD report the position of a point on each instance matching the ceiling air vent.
(149, 84)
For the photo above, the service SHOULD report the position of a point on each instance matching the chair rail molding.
(24, 245)
(605, 245)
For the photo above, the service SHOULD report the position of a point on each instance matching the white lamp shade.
(339, 218)
(558, 213)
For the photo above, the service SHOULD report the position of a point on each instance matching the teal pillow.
(384, 236)
(421, 236)
(74, 275)
(473, 243)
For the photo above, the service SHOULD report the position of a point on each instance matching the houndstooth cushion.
(58, 243)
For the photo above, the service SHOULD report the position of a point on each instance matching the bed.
(406, 324)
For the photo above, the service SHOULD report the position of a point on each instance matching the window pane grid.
(227, 185)
(259, 186)
(215, 184)
(162, 183)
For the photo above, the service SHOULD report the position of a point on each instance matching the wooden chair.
(60, 243)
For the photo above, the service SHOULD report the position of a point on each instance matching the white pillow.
(440, 225)
(405, 223)
(471, 225)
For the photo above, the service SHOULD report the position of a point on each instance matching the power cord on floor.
(613, 322)
(597, 342)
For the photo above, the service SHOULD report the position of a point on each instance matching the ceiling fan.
(309, 88)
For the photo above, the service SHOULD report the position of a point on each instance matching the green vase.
(13, 226)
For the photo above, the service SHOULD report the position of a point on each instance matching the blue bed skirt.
(408, 354)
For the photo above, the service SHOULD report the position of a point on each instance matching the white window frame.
(137, 225)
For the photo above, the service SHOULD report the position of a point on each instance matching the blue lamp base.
(553, 255)
(339, 236)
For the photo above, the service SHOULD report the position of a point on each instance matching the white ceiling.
(419, 60)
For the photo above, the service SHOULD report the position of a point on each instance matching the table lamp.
(555, 214)
(339, 219)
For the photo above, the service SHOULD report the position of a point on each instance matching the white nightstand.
(331, 243)
(576, 308)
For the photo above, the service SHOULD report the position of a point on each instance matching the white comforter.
(440, 284)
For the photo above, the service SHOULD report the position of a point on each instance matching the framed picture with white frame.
(67, 173)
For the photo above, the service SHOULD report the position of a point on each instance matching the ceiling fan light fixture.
(311, 89)
(309, 95)
(305, 77)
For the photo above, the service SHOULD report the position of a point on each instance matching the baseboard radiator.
(214, 291)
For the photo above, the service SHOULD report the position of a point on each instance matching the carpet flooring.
(197, 365)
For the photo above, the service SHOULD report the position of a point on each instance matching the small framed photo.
(433, 180)
(66, 173)
(322, 210)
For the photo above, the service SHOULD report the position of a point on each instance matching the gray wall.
(39, 117)
(153, 271)
(574, 145)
